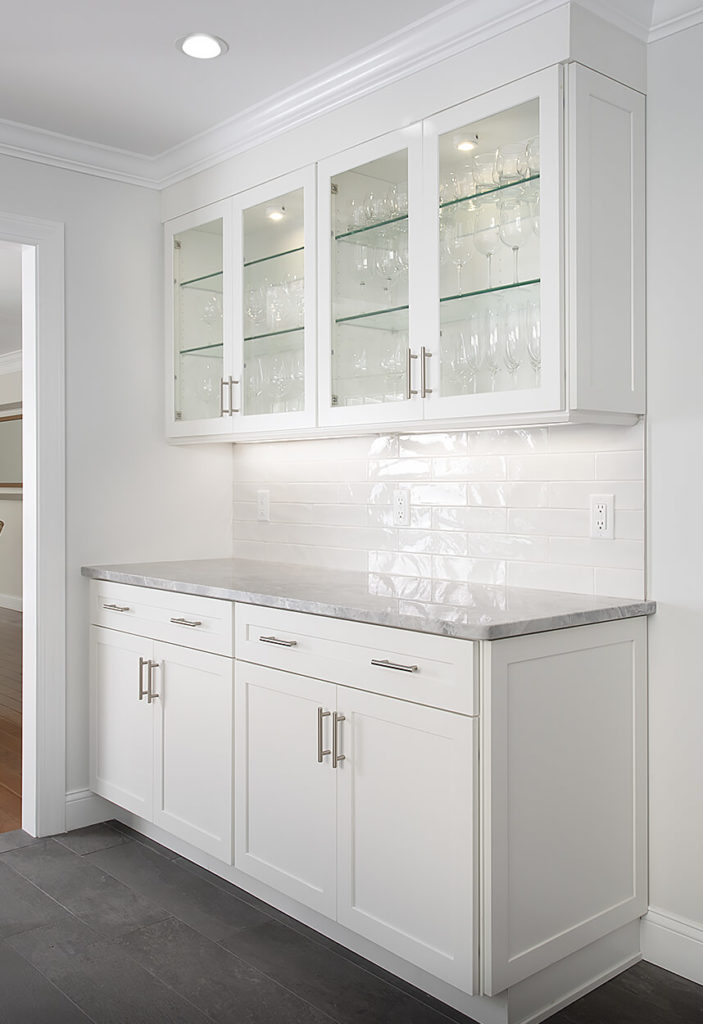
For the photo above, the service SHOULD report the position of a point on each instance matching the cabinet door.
(121, 720)
(199, 355)
(370, 251)
(193, 747)
(275, 301)
(493, 188)
(284, 796)
(406, 843)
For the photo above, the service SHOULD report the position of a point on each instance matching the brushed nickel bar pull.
(280, 643)
(117, 607)
(142, 691)
(385, 663)
(187, 622)
(409, 392)
(232, 382)
(336, 758)
(424, 356)
(150, 695)
(320, 752)
(224, 411)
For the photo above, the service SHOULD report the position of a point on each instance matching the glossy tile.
(470, 467)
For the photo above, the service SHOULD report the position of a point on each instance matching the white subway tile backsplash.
(489, 506)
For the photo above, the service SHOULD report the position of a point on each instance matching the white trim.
(671, 16)
(43, 522)
(11, 602)
(83, 807)
(447, 32)
(11, 362)
(674, 943)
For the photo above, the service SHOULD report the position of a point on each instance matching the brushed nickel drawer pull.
(275, 640)
(142, 692)
(117, 608)
(150, 695)
(385, 663)
(320, 752)
(336, 758)
(187, 622)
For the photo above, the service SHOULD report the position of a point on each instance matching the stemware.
(486, 233)
(363, 264)
(512, 329)
(492, 336)
(515, 227)
(532, 155)
(256, 306)
(511, 162)
(484, 168)
(534, 339)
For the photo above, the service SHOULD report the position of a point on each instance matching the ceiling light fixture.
(275, 212)
(202, 46)
(466, 145)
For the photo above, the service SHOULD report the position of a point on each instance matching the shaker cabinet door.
(407, 836)
(284, 796)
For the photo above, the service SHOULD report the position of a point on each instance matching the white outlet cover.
(401, 507)
(263, 506)
(603, 516)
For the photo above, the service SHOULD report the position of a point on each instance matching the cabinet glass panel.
(370, 282)
(197, 271)
(489, 224)
(274, 306)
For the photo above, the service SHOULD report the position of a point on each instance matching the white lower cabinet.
(161, 735)
(361, 806)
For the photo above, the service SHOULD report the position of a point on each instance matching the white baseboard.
(9, 601)
(84, 808)
(673, 943)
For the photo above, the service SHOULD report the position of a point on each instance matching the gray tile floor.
(103, 925)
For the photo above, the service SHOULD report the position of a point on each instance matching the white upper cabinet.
(484, 265)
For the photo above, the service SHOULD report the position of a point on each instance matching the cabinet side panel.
(606, 166)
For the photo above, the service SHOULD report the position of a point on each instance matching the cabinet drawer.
(203, 623)
(435, 670)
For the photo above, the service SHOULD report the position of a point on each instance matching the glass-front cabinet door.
(492, 183)
(198, 315)
(275, 304)
(369, 219)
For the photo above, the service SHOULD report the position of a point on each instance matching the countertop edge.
(440, 627)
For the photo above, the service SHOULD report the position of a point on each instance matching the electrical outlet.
(603, 516)
(263, 506)
(401, 507)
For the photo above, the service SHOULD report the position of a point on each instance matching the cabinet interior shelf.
(273, 256)
(489, 191)
(370, 227)
(206, 283)
(273, 334)
(199, 348)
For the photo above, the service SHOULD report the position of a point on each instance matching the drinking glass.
(492, 340)
(511, 162)
(256, 306)
(515, 227)
(532, 155)
(363, 264)
(512, 330)
(211, 315)
(449, 188)
(484, 168)
(486, 232)
(534, 339)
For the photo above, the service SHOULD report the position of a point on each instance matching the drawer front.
(203, 623)
(437, 671)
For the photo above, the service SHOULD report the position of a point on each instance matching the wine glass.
(511, 162)
(532, 155)
(492, 336)
(363, 264)
(256, 306)
(534, 338)
(484, 168)
(515, 226)
(512, 329)
(486, 233)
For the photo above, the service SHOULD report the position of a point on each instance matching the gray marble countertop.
(484, 613)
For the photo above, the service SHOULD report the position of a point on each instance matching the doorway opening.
(11, 515)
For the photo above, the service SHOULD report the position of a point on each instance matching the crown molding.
(447, 32)
(11, 362)
(671, 16)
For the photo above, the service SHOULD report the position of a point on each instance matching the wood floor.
(10, 720)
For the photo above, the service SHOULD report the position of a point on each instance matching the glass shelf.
(273, 334)
(497, 290)
(198, 349)
(274, 256)
(489, 191)
(207, 283)
(355, 232)
(395, 318)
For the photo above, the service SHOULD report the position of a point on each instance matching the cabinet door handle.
(424, 356)
(336, 757)
(117, 607)
(320, 752)
(225, 410)
(232, 410)
(385, 663)
(142, 691)
(187, 622)
(150, 695)
(409, 392)
(280, 643)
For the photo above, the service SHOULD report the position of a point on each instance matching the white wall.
(130, 496)
(674, 934)
(10, 388)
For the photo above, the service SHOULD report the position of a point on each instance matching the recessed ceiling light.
(202, 46)
(466, 145)
(275, 212)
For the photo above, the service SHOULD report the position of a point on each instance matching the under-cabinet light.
(466, 145)
(276, 212)
(202, 46)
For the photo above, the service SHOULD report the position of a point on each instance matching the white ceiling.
(10, 297)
